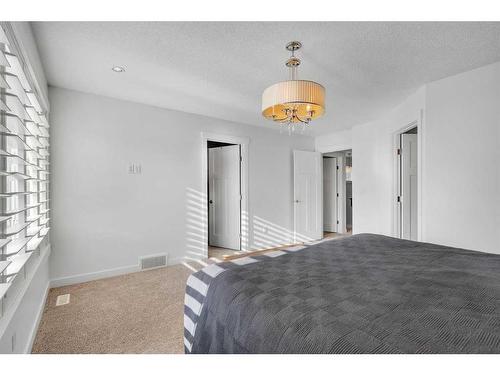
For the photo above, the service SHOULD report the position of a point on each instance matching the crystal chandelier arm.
(284, 120)
(293, 114)
(306, 121)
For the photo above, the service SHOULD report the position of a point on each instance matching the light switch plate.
(135, 169)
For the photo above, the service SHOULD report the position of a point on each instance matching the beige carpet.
(135, 313)
(140, 312)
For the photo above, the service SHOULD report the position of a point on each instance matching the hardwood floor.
(336, 235)
(221, 254)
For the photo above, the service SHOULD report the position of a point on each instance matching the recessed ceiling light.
(118, 69)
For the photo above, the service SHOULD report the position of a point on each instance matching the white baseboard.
(103, 274)
(174, 261)
(84, 277)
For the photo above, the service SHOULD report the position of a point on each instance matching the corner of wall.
(335, 141)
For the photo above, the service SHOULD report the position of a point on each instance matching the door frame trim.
(341, 188)
(244, 214)
(396, 217)
(336, 197)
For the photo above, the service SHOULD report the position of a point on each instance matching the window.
(24, 171)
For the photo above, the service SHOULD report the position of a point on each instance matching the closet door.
(409, 184)
(224, 196)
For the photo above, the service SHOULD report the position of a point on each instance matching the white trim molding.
(85, 277)
(110, 272)
(36, 323)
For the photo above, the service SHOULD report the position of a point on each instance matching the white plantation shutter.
(24, 172)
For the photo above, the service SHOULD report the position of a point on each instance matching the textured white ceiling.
(220, 69)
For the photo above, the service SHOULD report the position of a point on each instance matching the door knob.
(210, 201)
(297, 201)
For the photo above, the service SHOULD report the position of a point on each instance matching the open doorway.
(337, 193)
(408, 184)
(224, 198)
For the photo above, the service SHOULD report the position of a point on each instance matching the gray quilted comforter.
(362, 294)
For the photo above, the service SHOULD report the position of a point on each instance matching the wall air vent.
(153, 261)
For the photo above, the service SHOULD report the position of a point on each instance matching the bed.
(361, 294)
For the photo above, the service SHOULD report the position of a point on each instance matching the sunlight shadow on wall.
(196, 226)
(245, 231)
(266, 234)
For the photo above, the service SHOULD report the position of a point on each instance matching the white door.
(224, 196)
(409, 186)
(307, 176)
(330, 194)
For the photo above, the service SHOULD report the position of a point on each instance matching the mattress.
(361, 294)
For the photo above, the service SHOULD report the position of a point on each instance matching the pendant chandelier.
(294, 101)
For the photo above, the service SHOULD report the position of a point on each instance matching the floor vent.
(63, 299)
(153, 261)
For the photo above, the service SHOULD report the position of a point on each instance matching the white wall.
(373, 171)
(338, 141)
(373, 164)
(459, 146)
(105, 218)
(462, 175)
